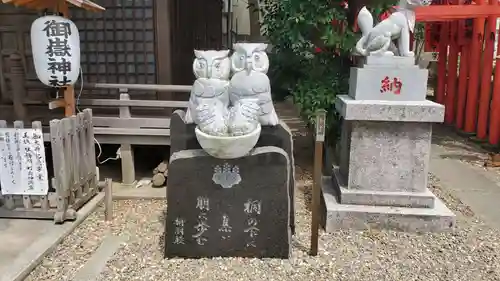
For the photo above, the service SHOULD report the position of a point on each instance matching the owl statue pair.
(235, 107)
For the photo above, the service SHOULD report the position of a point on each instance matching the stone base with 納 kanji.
(380, 178)
(228, 208)
(388, 78)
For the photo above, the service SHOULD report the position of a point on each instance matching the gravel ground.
(470, 253)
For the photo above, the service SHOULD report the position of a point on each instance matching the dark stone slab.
(182, 137)
(257, 204)
(281, 136)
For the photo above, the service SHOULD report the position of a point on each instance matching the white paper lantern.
(55, 42)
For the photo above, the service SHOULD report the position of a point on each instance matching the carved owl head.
(212, 64)
(250, 56)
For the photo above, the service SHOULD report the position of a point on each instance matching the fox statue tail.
(365, 23)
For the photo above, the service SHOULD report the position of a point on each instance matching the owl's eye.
(242, 57)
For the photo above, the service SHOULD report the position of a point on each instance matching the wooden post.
(462, 86)
(487, 70)
(18, 80)
(126, 153)
(451, 84)
(69, 101)
(476, 48)
(316, 192)
(442, 63)
(61, 6)
(108, 200)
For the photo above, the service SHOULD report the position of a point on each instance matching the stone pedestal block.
(381, 180)
(228, 208)
(385, 152)
(382, 110)
(387, 82)
(388, 156)
(369, 215)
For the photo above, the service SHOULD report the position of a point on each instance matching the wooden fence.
(128, 130)
(75, 181)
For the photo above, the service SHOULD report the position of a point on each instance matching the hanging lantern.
(55, 43)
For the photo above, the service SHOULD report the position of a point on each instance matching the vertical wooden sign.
(318, 164)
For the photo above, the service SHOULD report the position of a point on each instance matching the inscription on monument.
(391, 85)
(250, 219)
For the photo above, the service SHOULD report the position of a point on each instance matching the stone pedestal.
(381, 177)
(237, 207)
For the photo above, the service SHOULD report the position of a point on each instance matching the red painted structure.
(470, 107)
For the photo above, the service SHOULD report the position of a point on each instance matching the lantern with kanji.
(56, 50)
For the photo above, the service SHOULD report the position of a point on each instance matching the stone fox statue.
(378, 39)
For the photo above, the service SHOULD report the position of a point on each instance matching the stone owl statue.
(250, 63)
(209, 119)
(244, 117)
(211, 69)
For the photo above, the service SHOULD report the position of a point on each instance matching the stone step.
(382, 198)
(362, 217)
(97, 262)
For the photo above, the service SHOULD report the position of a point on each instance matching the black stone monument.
(183, 137)
(236, 207)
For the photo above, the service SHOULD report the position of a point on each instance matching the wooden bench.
(127, 130)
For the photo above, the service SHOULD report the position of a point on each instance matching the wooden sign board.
(23, 169)
(320, 125)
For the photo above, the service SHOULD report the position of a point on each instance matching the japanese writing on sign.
(200, 230)
(203, 205)
(58, 51)
(252, 208)
(225, 228)
(391, 85)
(320, 125)
(23, 169)
(179, 231)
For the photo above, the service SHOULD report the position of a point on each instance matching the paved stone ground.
(459, 164)
(17, 235)
(24, 243)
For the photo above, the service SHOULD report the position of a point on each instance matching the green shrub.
(311, 53)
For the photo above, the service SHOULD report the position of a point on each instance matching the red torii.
(469, 105)
(435, 13)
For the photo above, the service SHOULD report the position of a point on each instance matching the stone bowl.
(228, 147)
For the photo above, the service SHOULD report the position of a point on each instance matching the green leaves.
(311, 50)
(311, 55)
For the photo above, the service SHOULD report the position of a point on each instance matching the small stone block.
(362, 217)
(390, 61)
(388, 83)
(228, 208)
(384, 110)
(423, 199)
